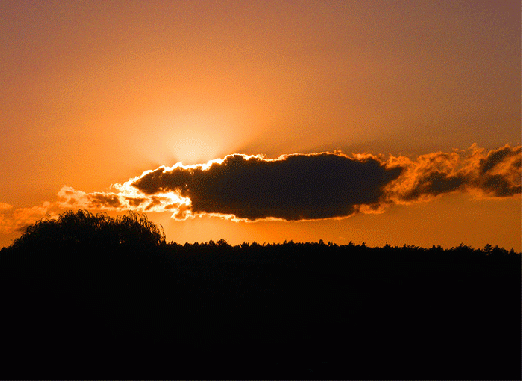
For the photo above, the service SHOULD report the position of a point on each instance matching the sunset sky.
(367, 121)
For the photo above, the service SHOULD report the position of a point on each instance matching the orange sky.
(97, 92)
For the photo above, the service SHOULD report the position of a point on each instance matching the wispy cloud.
(486, 174)
(14, 220)
(293, 187)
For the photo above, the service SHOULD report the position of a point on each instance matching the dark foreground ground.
(284, 311)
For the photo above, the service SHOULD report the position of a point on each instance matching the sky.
(370, 121)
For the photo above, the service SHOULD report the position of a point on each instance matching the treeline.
(350, 247)
(93, 296)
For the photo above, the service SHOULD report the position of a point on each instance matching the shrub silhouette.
(83, 229)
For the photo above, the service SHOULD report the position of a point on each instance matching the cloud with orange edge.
(293, 187)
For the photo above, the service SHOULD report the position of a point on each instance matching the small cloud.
(496, 173)
(4, 206)
(102, 200)
(16, 220)
(135, 201)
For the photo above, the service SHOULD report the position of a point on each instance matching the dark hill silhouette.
(89, 296)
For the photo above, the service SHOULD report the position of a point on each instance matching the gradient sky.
(94, 93)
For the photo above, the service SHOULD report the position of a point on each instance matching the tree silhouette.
(86, 230)
(92, 287)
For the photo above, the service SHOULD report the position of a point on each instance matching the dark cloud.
(433, 184)
(496, 157)
(499, 186)
(104, 200)
(293, 187)
(154, 201)
(135, 201)
(307, 186)
(500, 171)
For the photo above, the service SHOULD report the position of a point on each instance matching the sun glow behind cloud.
(189, 134)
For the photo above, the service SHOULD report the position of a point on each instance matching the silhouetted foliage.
(84, 229)
(102, 293)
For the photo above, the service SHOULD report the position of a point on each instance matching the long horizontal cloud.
(123, 198)
(293, 187)
(326, 185)
(308, 186)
